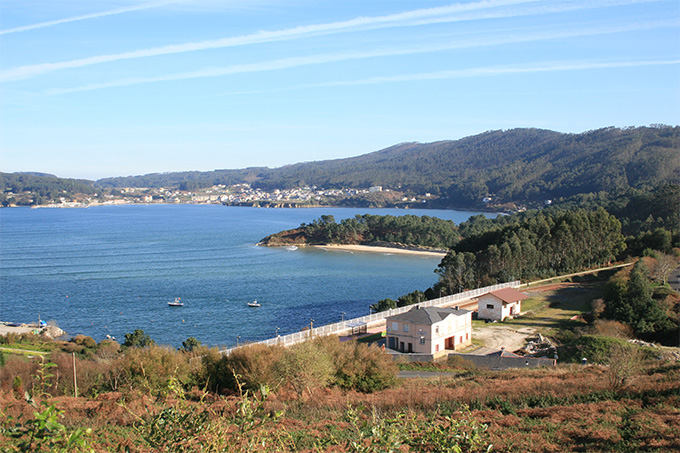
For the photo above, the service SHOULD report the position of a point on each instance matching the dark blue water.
(111, 270)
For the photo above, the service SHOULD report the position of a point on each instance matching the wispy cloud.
(481, 10)
(486, 71)
(109, 12)
(293, 62)
(359, 23)
(497, 71)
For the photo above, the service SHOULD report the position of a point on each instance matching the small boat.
(254, 304)
(292, 248)
(176, 303)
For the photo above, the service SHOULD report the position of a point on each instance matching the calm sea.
(111, 270)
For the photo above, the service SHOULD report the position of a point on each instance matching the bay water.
(109, 270)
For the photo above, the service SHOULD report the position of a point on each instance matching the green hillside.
(519, 165)
(522, 166)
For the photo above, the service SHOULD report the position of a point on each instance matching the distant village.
(235, 195)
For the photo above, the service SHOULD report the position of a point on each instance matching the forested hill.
(519, 165)
(42, 186)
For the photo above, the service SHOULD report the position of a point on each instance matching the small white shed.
(500, 304)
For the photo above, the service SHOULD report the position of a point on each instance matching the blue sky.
(98, 88)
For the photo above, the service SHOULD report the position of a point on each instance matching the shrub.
(254, 364)
(87, 342)
(152, 369)
(94, 376)
(624, 362)
(305, 366)
(45, 433)
(607, 328)
(137, 339)
(190, 344)
(108, 349)
(362, 367)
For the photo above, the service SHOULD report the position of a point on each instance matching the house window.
(436, 348)
(489, 306)
(467, 336)
(422, 340)
(405, 327)
(461, 338)
(395, 326)
(436, 330)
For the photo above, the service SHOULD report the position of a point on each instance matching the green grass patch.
(554, 310)
(25, 348)
(371, 338)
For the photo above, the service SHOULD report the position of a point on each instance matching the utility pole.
(311, 327)
(75, 381)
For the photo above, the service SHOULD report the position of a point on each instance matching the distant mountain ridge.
(519, 165)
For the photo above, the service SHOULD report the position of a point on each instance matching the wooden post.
(75, 381)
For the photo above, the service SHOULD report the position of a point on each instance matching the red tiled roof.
(509, 295)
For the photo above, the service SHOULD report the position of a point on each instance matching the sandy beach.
(375, 249)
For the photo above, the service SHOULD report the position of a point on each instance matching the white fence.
(344, 327)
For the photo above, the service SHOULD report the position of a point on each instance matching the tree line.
(423, 231)
(527, 246)
(42, 187)
(543, 245)
(635, 298)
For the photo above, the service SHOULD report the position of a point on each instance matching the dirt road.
(496, 337)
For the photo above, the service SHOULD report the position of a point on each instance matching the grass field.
(555, 307)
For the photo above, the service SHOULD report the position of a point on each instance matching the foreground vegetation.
(155, 400)
(324, 395)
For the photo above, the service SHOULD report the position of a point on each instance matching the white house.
(498, 305)
(429, 330)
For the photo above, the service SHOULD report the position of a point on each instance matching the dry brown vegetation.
(568, 408)
(324, 395)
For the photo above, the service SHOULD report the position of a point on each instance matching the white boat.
(254, 304)
(291, 248)
(176, 303)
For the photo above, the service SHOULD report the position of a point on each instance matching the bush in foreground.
(316, 363)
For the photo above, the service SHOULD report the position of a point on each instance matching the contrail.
(110, 12)
(497, 70)
(485, 71)
(451, 13)
(292, 62)
(414, 17)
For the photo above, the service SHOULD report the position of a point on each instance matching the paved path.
(591, 271)
(5, 329)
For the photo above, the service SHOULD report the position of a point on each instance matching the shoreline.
(79, 205)
(379, 249)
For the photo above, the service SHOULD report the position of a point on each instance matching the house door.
(450, 343)
(393, 343)
(410, 347)
(401, 346)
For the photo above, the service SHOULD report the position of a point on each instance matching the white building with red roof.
(500, 304)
